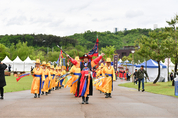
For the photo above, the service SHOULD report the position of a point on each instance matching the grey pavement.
(125, 103)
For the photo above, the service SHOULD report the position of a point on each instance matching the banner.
(115, 64)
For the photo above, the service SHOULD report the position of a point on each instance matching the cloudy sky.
(67, 17)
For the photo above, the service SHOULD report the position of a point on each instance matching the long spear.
(62, 50)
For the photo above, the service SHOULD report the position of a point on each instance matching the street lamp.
(133, 51)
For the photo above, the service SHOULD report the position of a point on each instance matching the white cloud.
(66, 17)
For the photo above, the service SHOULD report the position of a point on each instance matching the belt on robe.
(53, 76)
(77, 73)
(109, 75)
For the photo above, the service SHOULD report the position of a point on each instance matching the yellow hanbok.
(72, 82)
(45, 82)
(37, 80)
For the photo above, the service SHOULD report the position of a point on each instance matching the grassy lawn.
(164, 88)
(12, 85)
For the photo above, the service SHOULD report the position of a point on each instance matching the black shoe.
(143, 90)
(1, 97)
(35, 95)
(46, 93)
(87, 98)
(110, 95)
(38, 95)
(49, 92)
(42, 93)
(138, 89)
(107, 95)
(83, 99)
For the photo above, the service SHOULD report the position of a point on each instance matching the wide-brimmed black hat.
(86, 56)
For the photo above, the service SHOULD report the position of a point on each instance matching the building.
(125, 51)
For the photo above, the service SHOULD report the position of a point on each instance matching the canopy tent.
(169, 62)
(28, 63)
(8, 62)
(120, 60)
(152, 70)
(18, 64)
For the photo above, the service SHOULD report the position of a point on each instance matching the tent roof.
(6, 60)
(28, 60)
(120, 60)
(18, 60)
(151, 64)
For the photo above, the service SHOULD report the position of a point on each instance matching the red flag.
(94, 50)
(21, 76)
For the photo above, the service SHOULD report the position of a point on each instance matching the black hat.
(142, 65)
(86, 56)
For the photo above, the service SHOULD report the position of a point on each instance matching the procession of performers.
(46, 78)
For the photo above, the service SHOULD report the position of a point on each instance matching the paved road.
(126, 103)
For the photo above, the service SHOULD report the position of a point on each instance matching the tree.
(21, 50)
(154, 48)
(173, 31)
(3, 51)
(108, 51)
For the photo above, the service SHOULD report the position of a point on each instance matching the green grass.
(164, 88)
(12, 85)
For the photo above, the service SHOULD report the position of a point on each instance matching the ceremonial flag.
(94, 51)
(60, 56)
(23, 75)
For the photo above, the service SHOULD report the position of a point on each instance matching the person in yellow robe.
(99, 75)
(62, 73)
(75, 73)
(48, 65)
(109, 72)
(37, 79)
(53, 74)
(58, 74)
(45, 78)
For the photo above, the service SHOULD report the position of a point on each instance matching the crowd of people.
(46, 78)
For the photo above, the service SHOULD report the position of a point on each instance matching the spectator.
(9, 68)
(171, 76)
(135, 74)
(140, 77)
(2, 79)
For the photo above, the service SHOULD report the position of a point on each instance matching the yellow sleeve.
(43, 76)
(114, 75)
(72, 69)
(92, 64)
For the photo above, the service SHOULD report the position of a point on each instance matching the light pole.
(133, 51)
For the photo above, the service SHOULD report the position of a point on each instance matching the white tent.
(28, 63)
(7, 61)
(169, 62)
(152, 70)
(18, 64)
